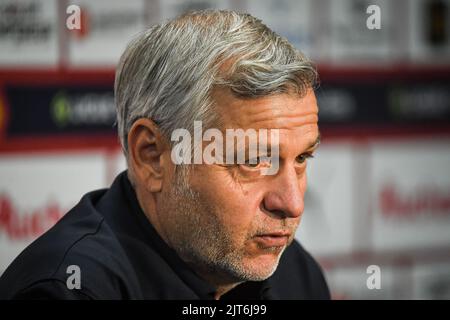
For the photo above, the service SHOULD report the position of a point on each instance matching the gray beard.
(202, 243)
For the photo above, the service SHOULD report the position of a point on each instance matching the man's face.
(231, 221)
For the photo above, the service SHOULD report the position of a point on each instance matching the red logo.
(425, 200)
(27, 225)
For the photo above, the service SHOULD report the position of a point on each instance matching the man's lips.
(272, 239)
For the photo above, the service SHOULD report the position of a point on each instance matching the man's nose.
(286, 194)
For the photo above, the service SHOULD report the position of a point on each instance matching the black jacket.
(121, 256)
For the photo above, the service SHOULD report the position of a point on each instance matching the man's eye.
(253, 163)
(302, 158)
(257, 163)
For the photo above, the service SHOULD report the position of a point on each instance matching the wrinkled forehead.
(293, 117)
(280, 111)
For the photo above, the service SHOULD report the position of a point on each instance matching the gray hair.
(167, 73)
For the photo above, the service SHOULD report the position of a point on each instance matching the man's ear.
(145, 148)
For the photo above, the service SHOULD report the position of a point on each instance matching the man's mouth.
(272, 239)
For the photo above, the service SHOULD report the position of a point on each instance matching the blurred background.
(379, 187)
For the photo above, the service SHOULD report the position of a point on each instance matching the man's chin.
(263, 266)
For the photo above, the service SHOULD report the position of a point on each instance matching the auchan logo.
(424, 200)
(27, 224)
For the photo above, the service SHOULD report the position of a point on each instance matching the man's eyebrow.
(315, 143)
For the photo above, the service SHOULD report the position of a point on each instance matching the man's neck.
(221, 290)
(222, 284)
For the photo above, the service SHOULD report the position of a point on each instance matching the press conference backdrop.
(379, 186)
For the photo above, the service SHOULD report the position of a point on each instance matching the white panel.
(410, 184)
(116, 164)
(29, 34)
(34, 189)
(107, 28)
(350, 283)
(289, 18)
(171, 8)
(327, 223)
(351, 41)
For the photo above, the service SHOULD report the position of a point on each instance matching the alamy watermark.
(374, 20)
(74, 279)
(374, 280)
(236, 146)
(73, 21)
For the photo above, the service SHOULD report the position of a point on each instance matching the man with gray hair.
(213, 225)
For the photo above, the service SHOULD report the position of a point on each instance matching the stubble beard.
(202, 241)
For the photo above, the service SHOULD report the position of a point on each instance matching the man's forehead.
(280, 111)
(304, 140)
(295, 141)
